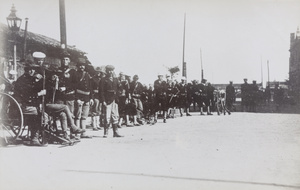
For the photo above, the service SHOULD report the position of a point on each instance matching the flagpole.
(202, 73)
(183, 62)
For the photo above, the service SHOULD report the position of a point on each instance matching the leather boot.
(115, 129)
(83, 127)
(94, 123)
(77, 123)
(35, 140)
(105, 130)
(97, 122)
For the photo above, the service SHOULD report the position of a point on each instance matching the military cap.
(110, 68)
(81, 61)
(98, 69)
(65, 54)
(203, 80)
(135, 77)
(55, 67)
(121, 74)
(245, 79)
(38, 55)
(159, 74)
(183, 78)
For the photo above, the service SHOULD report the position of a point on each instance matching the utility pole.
(202, 73)
(268, 73)
(261, 72)
(63, 28)
(183, 62)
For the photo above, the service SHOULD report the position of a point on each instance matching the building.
(34, 42)
(294, 65)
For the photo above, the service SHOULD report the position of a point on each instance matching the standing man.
(136, 90)
(83, 97)
(96, 107)
(67, 83)
(108, 93)
(160, 89)
(245, 93)
(230, 95)
(183, 98)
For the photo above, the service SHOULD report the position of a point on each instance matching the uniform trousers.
(111, 113)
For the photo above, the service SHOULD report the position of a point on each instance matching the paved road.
(240, 151)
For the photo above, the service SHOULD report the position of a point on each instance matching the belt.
(136, 95)
(71, 92)
(82, 92)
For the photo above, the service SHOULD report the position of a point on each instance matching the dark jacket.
(108, 90)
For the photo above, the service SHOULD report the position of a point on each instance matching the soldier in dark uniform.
(123, 94)
(230, 95)
(253, 96)
(136, 90)
(83, 96)
(278, 96)
(245, 88)
(55, 106)
(160, 88)
(210, 98)
(108, 93)
(267, 95)
(67, 85)
(28, 92)
(172, 93)
(201, 95)
(183, 97)
(97, 106)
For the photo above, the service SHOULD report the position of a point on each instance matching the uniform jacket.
(83, 86)
(108, 90)
(26, 90)
(160, 88)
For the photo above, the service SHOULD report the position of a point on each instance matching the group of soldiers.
(60, 92)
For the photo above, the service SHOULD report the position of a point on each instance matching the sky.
(235, 38)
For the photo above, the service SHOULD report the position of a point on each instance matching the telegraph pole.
(202, 73)
(63, 28)
(183, 62)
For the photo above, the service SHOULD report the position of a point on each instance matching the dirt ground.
(241, 151)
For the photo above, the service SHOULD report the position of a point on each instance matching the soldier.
(230, 95)
(160, 88)
(96, 107)
(172, 93)
(201, 95)
(54, 105)
(183, 97)
(28, 92)
(123, 94)
(210, 98)
(108, 92)
(67, 85)
(83, 96)
(136, 90)
(245, 88)
(253, 96)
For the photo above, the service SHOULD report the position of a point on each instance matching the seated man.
(28, 90)
(54, 106)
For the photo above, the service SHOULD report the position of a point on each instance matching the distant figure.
(267, 95)
(230, 95)
(245, 89)
(253, 95)
(278, 97)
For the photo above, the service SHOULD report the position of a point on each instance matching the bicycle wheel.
(11, 119)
